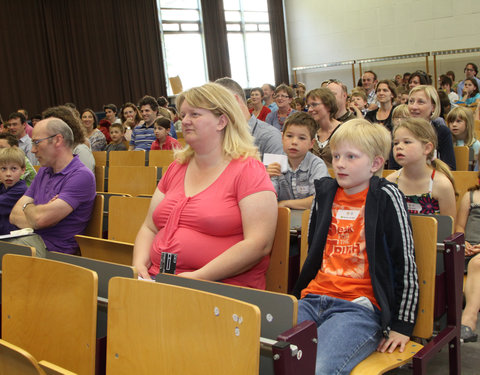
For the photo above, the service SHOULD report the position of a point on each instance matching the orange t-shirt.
(344, 273)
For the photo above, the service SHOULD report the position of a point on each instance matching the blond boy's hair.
(372, 139)
(12, 155)
(400, 111)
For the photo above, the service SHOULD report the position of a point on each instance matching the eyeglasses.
(312, 105)
(37, 141)
(281, 96)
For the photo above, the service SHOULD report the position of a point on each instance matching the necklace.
(281, 120)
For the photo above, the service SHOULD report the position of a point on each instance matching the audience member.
(461, 124)
(468, 222)
(142, 135)
(267, 138)
(299, 104)
(258, 109)
(418, 78)
(358, 102)
(268, 91)
(300, 90)
(104, 127)
(359, 281)
(9, 141)
(446, 84)
(130, 117)
(322, 106)
(341, 93)
(17, 127)
(400, 112)
(60, 200)
(215, 207)
(295, 187)
(36, 118)
(283, 98)
(402, 95)
(12, 187)
(163, 141)
(471, 71)
(96, 138)
(369, 82)
(426, 181)
(386, 93)
(28, 127)
(111, 113)
(81, 146)
(117, 140)
(471, 95)
(424, 102)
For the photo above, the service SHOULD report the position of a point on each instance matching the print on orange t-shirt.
(344, 273)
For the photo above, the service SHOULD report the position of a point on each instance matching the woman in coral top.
(215, 207)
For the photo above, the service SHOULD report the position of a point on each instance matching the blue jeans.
(347, 332)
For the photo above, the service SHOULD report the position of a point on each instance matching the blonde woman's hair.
(237, 141)
(431, 94)
(12, 155)
(466, 115)
(424, 132)
(372, 139)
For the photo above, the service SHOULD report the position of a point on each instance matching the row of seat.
(151, 327)
(149, 303)
(137, 158)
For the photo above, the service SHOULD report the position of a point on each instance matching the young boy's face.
(404, 99)
(359, 102)
(116, 135)
(10, 173)
(296, 141)
(160, 133)
(353, 168)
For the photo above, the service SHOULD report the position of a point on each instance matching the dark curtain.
(216, 44)
(279, 42)
(87, 52)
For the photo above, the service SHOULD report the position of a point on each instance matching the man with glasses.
(59, 203)
(471, 71)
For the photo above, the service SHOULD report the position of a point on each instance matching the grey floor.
(470, 353)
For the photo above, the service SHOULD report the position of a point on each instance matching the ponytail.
(442, 167)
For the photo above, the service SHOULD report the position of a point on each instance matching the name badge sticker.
(347, 214)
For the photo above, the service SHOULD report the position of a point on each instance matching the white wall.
(322, 31)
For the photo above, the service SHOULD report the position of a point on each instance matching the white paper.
(275, 158)
(17, 233)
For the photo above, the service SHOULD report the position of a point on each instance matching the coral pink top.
(201, 227)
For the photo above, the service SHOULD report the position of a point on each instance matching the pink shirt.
(201, 227)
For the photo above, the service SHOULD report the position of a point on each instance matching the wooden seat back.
(100, 177)
(104, 268)
(462, 157)
(50, 310)
(100, 158)
(12, 248)
(463, 181)
(132, 180)
(15, 360)
(125, 217)
(105, 250)
(424, 230)
(277, 273)
(160, 158)
(154, 326)
(126, 158)
(95, 225)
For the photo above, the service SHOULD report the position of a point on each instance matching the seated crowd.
(215, 207)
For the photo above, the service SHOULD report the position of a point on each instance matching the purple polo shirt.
(75, 184)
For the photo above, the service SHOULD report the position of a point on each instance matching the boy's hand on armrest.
(274, 169)
(395, 339)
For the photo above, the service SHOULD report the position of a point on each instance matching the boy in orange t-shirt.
(359, 281)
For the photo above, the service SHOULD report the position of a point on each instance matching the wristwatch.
(25, 205)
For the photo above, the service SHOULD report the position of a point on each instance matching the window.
(249, 44)
(183, 45)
